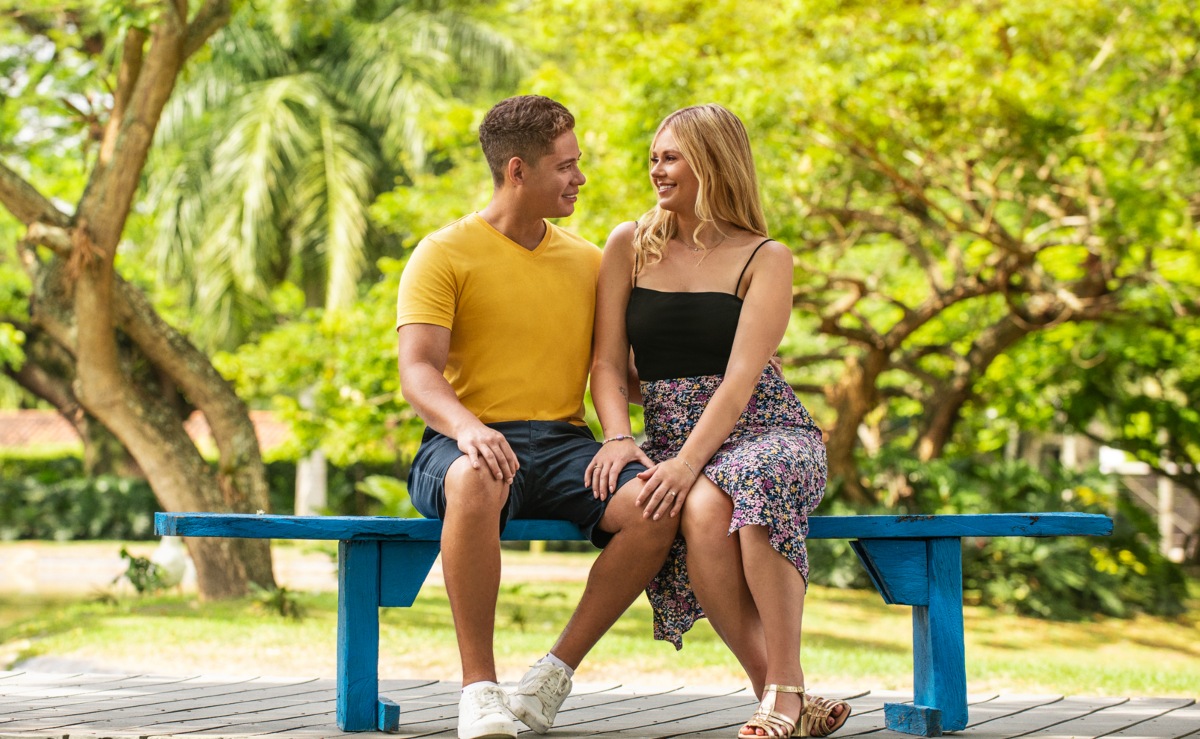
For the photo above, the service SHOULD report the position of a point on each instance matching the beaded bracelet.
(622, 437)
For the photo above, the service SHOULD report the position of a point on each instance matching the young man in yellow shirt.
(495, 326)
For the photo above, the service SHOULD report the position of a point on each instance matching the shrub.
(50, 498)
(1055, 577)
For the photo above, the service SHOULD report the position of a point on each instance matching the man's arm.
(423, 351)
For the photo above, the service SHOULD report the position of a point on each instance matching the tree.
(103, 327)
(274, 150)
(953, 179)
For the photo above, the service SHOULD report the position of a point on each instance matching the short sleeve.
(428, 288)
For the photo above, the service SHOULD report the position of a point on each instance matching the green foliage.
(1057, 577)
(391, 494)
(144, 575)
(279, 601)
(50, 498)
(272, 152)
(57, 503)
(345, 363)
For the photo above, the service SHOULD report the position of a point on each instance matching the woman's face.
(673, 179)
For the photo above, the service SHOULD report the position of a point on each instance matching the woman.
(703, 296)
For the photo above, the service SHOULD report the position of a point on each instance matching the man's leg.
(471, 563)
(471, 568)
(622, 571)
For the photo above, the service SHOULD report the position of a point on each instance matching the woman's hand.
(667, 484)
(604, 471)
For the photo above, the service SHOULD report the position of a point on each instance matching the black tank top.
(683, 334)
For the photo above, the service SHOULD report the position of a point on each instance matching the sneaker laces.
(550, 680)
(491, 700)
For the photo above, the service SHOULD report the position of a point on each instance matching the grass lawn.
(851, 640)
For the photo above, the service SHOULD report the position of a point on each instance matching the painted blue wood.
(403, 566)
(355, 528)
(909, 719)
(897, 568)
(541, 530)
(939, 658)
(959, 524)
(389, 715)
(913, 560)
(358, 636)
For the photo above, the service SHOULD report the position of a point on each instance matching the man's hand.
(487, 446)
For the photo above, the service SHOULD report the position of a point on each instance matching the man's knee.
(624, 516)
(474, 491)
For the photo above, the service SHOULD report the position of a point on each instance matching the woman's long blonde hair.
(715, 145)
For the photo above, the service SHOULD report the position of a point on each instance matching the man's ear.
(514, 171)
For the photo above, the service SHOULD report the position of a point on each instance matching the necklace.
(697, 249)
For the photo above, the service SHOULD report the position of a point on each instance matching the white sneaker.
(483, 714)
(539, 695)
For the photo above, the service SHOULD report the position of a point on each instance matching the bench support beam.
(927, 575)
(359, 707)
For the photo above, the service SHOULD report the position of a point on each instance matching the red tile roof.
(22, 428)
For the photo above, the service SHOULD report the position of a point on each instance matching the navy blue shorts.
(553, 456)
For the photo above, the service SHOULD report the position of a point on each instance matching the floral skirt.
(772, 466)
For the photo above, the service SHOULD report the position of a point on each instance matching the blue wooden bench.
(912, 560)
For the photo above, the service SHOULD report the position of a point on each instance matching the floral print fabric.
(772, 466)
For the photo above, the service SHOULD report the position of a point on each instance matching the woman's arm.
(610, 364)
(765, 313)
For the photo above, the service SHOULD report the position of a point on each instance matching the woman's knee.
(706, 512)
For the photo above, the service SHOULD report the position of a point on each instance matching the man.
(495, 325)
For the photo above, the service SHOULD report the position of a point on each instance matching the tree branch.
(54, 238)
(25, 202)
(209, 19)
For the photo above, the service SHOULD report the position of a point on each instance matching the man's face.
(551, 185)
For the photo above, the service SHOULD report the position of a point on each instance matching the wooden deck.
(96, 706)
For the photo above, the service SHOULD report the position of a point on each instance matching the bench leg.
(358, 705)
(939, 661)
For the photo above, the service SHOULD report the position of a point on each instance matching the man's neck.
(526, 230)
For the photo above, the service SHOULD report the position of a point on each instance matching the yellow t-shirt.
(520, 321)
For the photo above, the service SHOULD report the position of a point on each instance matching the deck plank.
(82, 706)
(1122, 716)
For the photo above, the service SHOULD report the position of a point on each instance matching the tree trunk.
(48, 373)
(853, 396)
(83, 306)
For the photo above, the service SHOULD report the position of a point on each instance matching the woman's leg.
(714, 562)
(778, 592)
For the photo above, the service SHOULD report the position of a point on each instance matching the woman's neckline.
(689, 292)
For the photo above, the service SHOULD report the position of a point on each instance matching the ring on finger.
(671, 493)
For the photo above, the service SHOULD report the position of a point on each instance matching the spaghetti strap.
(636, 258)
(738, 286)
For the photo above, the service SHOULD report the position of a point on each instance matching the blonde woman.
(703, 295)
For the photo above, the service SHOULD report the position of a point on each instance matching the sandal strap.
(817, 710)
(776, 725)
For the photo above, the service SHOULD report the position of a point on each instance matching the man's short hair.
(524, 126)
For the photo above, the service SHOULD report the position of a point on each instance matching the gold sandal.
(773, 724)
(817, 711)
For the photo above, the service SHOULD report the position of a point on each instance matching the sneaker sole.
(528, 719)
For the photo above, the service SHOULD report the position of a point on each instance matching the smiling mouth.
(665, 188)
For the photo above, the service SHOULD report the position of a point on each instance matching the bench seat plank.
(384, 528)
